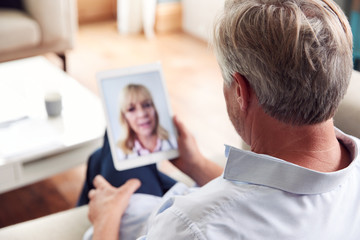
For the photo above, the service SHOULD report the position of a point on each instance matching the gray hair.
(295, 54)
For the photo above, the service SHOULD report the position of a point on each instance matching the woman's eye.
(131, 109)
(147, 105)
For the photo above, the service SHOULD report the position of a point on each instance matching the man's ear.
(243, 91)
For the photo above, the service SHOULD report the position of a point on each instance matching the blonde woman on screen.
(139, 119)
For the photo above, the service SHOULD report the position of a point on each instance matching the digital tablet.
(139, 119)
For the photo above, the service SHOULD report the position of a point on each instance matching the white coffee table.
(36, 146)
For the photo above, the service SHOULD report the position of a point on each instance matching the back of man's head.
(295, 54)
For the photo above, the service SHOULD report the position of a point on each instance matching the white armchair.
(42, 26)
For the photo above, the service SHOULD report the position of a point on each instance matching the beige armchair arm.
(57, 19)
(347, 117)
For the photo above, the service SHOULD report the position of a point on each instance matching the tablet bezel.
(123, 164)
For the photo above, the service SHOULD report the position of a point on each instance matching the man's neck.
(312, 146)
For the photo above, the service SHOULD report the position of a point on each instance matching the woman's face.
(140, 116)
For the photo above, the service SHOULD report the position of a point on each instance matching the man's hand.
(191, 161)
(107, 205)
(189, 154)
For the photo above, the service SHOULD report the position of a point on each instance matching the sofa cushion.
(347, 117)
(17, 31)
(66, 225)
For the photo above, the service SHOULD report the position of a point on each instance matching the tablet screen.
(139, 118)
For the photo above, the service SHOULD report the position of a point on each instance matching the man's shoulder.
(207, 211)
(218, 197)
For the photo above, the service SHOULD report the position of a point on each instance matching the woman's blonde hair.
(134, 93)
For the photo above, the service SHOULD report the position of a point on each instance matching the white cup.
(53, 104)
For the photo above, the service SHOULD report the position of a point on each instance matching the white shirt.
(262, 197)
(141, 206)
(138, 150)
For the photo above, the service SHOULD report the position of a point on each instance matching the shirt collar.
(260, 169)
(141, 150)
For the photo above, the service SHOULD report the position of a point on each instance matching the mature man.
(286, 65)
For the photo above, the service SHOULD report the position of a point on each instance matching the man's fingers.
(91, 194)
(131, 186)
(100, 181)
(101, 184)
(180, 127)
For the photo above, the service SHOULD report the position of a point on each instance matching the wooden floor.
(194, 85)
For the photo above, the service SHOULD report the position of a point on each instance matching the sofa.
(72, 224)
(66, 225)
(347, 117)
(34, 27)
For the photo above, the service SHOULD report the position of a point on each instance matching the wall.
(341, 3)
(345, 5)
(199, 15)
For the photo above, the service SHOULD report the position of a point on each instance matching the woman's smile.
(146, 124)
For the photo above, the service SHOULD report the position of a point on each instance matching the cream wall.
(342, 3)
(199, 15)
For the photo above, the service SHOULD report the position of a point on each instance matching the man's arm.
(191, 161)
(107, 205)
